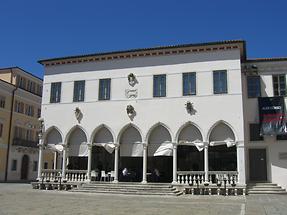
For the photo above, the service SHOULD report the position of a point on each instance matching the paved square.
(22, 199)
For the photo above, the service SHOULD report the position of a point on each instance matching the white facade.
(217, 119)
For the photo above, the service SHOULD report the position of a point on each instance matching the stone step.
(129, 185)
(271, 187)
(266, 188)
(129, 189)
(262, 184)
(177, 193)
(267, 192)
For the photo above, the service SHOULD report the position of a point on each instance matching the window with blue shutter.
(159, 85)
(55, 96)
(105, 89)
(79, 91)
(189, 83)
(219, 82)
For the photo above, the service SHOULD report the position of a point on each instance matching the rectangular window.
(279, 85)
(79, 91)
(189, 83)
(35, 166)
(254, 132)
(104, 89)
(39, 113)
(2, 102)
(159, 85)
(1, 129)
(55, 96)
(14, 165)
(253, 86)
(46, 165)
(29, 110)
(219, 82)
(19, 107)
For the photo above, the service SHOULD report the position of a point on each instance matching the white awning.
(165, 149)
(110, 147)
(197, 143)
(55, 147)
(229, 143)
(131, 149)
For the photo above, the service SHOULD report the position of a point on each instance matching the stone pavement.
(22, 199)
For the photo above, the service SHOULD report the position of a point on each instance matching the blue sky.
(33, 29)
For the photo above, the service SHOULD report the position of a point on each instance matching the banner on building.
(272, 115)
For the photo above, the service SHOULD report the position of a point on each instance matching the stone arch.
(53, 135)
(76, 139)
(129, 126)
(159, 124)
(102, 134)
(130, 139)
(189, 132)
(221, 131)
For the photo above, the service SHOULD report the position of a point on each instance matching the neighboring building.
(20, 108)
(165, 114)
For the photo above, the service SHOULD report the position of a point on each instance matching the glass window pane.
(159, 85)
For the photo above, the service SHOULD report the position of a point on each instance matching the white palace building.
(184, 114)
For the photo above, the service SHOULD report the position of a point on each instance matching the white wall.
(276, 169)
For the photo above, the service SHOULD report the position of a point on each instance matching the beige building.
(20, 108)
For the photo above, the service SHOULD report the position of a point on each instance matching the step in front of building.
(126, 188)
(264, 188)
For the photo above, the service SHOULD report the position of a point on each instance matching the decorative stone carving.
(132, 79)
(131, 111)
(131, 94)
(42, 128)
(78, 114)
(189, 108)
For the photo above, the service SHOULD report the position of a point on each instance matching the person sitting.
(125, 173)
(156, 174)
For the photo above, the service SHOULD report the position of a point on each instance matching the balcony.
(24, 143)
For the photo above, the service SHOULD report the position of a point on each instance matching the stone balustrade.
(76, 175)
(190, 177)
(50, 174)
(214, 177)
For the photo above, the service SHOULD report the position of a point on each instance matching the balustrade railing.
(50, 174)
(71, 175)
(221, 177)
(76, 175)
(214, 177)
(190, 177)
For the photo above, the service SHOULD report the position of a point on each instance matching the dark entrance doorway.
(25, 167)
(257, 165)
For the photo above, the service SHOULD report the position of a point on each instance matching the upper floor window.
(219, 81)
(189, 83)
(22, 82)
(55, 96)
(1, 129)
(39, 113)
(79, 91)
(279, 85)
(159, 85)
(19, 107)
(2, 102)
(104, 89)
(29, 110)
(254, 132)
(253, 86)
